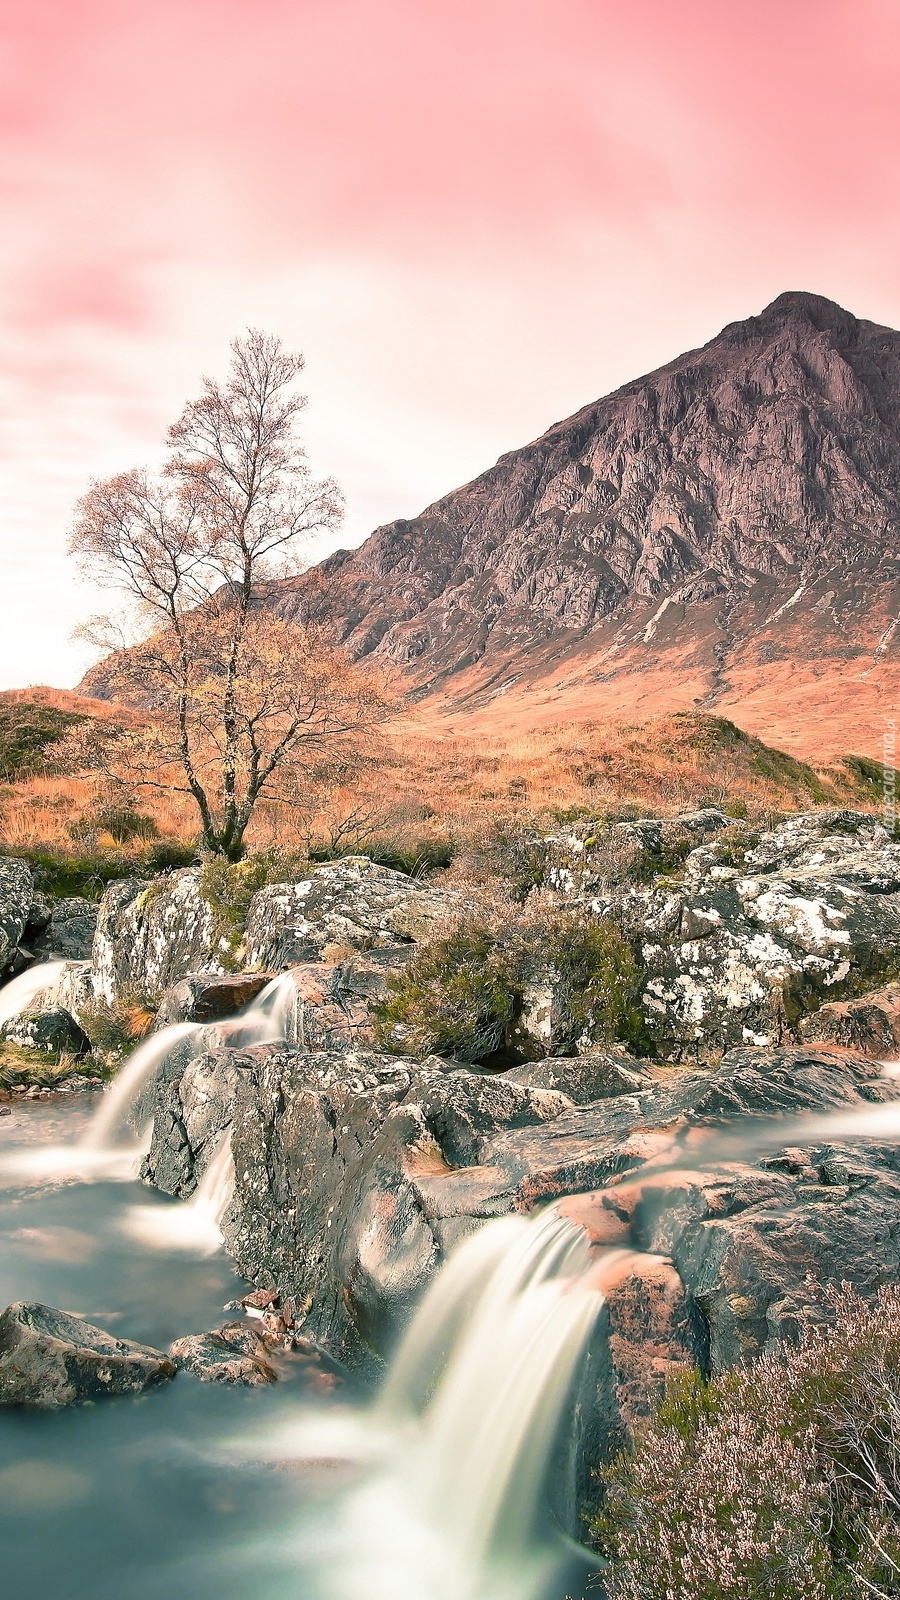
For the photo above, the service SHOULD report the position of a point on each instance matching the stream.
(138, 1497)
(201, 1491)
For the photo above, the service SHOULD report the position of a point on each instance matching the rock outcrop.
(67, 934)
(748, 935)
(350, 904)
(356, 1173)
(50, 1359)
(149, 934)
(16, 896)
(869, 1024)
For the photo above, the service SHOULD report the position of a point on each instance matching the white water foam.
(17, 995)
(194, 1224)
(453, 1459)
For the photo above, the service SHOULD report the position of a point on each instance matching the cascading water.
(267, 1018)
(111, 1124)
(111, 1147)
(458, 1446)
(16, 996)
(196, 1224)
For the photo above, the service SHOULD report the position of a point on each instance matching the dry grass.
(428, 783)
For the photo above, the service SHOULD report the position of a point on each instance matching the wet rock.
(192, 1104)
(870, 1024)
(149, 934)
(596, 1076)
(55, 1032)
(16, 895)
(49, 1359)
(351, 902)
(329, 1150)
(209, 997)
(237, 1353)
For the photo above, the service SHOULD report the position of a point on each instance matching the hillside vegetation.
(423, 798)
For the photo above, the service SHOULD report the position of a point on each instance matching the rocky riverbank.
(742, 1142)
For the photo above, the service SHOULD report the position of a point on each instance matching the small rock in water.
(236, 1353)
(49, 1358)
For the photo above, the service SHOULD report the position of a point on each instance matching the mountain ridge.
(735, 512)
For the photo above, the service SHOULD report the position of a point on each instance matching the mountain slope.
(739, 507)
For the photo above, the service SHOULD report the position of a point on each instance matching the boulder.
(72, 991)
(332, 1006)
(54, 1031)
(351, 903)
(150, 934)
(68, 933)
(869, 1024)
(16, 895)
(754, 935)
(238, 1353)
(597, 1076)
(209, 997)
(49, 1359)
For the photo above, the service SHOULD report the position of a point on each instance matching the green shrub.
(511, 850)
(124, 824)
(229, 886)
(87, 873)
(870, 776)
(464, 988)
(598, 978)
(417, 858)
(42, 1069)
(455, 997)
(115, 1029)
(779, 1481)
(28, 732)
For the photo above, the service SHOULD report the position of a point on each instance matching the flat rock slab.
(49, 1359)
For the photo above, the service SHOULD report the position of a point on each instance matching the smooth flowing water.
(209, 1493)
(17, 995)
(435, 1490)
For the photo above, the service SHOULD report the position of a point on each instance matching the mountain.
(723, 532)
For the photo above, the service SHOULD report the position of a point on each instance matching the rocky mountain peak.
(766, 461)
(735, 513)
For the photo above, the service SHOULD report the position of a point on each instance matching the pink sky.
(473, 215)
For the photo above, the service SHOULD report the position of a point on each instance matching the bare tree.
(240, 702)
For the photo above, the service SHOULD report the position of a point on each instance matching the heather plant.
(464, 988)
(455, 998)
(780, 1481)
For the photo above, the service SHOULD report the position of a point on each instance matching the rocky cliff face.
(738, 506)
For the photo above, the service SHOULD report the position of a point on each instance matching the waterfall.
(110, 1123)
(212, 1196)
(16, 996)
(454, 1456)
(111, 1146)
(261, 1022)
(265, 1020)
(194, 1224)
